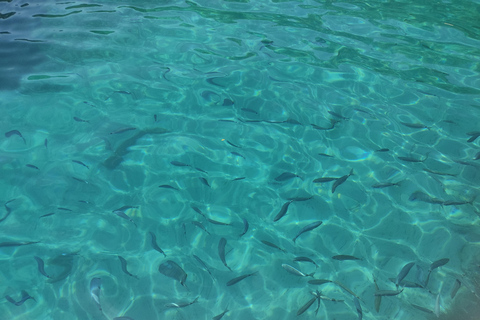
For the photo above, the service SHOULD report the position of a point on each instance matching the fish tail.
(473, 199)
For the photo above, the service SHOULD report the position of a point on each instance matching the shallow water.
(105, 96)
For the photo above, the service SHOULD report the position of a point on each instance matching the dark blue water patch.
(20, 52)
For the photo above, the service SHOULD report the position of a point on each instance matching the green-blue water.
(138, 105)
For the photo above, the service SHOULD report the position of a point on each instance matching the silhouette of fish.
(174, 271)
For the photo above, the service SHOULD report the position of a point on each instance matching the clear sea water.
(105, 95)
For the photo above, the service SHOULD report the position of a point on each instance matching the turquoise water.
(104, 96)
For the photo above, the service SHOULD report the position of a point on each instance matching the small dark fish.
(477, 156)
(337, 115)
(325, 155)
(319, 281)
(407, 284)
(204, 181)
(80, 180)
(46, 143)
(282, 212)
(403, 273)
(295, 271)
(249, 110)
(9, 210)
(421, 196)
(245, 227)
(125, 208)
(218, 222)
(123, 318)
(341, 180)
(305, 259)
(324, 179)
(233, 145)
(268, 243)
(80, 163)
(457, 202)
(201, 226)
(307, 228)
(318, 295)
(180, 304)
(364, 111)
(204, 265)
(238, 279)
(166, 186)
(122, 214)
(184, 227)
(237, 154)
(286, 176)
(385, 185)
(221, 251)
(455, 288)
(356, 302)
(41, 266)
(123, 262)
(382, 150)
(439, 173)
(16, 244)
(201, 170)
(79, 120)
(90, 104)
(16, 132)
(47, 215)
(155, 118)
(422, 308)
(346, 289)
(378, 299)
(227, 102)
(174, 271)
(32, 166)
(306, 306)
(64, 209)
(327, 298)
(237, 179)
(220, 316)
(435, 265)
(415, 125)
(123, 130)
(25, 297)
(298, 199)
(155, 245)
(332, 125)
(198, 211)
(179, 164)
(122, 92)
(95, 287)
(387, 292)
(473, 135)
(410, 159)
(343, 257)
